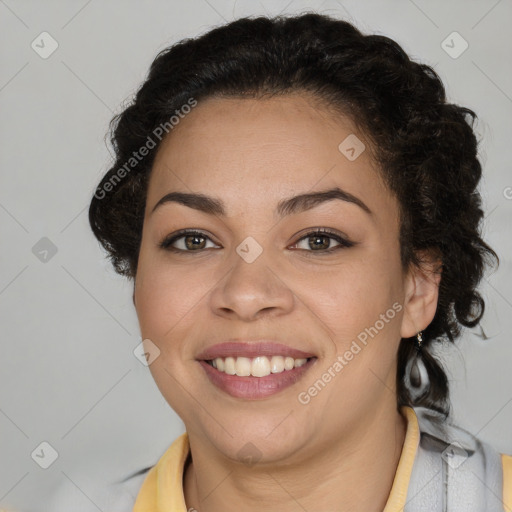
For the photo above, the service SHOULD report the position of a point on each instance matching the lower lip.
(253, 388)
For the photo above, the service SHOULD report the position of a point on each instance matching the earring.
(416, 375)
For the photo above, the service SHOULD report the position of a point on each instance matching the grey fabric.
(453, 471)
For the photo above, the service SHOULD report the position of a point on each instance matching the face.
(315, 279)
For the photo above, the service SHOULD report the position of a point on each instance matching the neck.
(356, 474)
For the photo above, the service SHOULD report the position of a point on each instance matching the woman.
(297, 205)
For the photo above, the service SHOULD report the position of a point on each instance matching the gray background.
(69, 328)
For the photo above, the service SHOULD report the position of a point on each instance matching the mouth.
(254, 370)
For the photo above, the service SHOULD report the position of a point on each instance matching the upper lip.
(250, 349)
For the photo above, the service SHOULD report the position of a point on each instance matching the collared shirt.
(162, 490)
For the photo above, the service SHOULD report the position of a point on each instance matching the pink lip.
(252, 349)
(253, 388)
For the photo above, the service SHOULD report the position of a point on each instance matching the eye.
(195, 241)
(320, 241)
(185, 241)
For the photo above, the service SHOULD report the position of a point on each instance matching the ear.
(421, 293)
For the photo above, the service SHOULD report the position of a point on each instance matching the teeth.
(260, 366)
(243, 366)
(277, 364)
(229, 365)
(289, 363)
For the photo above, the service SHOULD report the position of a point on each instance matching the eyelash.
(167, 242)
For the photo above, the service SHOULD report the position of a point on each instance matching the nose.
(252, 290)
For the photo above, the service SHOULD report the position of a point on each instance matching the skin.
(340, 451)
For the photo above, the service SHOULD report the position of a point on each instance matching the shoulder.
(83, 494)
(480, 478)
(506, 461)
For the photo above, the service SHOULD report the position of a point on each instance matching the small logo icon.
(249, 454)
(44, 455)
(249, 249)
(44, 45)
(454, 45)
(454, 455)
(146, 352)
(351, 147)
(44, 250)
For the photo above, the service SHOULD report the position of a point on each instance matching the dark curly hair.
(425, 147)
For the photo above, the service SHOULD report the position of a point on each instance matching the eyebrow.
(290, 206)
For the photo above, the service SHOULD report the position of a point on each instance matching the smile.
(254, 369)
(250, 387)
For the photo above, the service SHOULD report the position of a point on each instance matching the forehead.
(235, 148)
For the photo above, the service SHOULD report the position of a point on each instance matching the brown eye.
(194, 242)
(186, 241)
(321, 241)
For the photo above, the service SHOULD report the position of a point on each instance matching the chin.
(254, 438)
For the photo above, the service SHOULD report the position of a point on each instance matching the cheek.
(352, 297)
(161, 308)
(171, 303)
(361, 313)
(162, 297)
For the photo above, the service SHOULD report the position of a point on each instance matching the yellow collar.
(162, 490)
